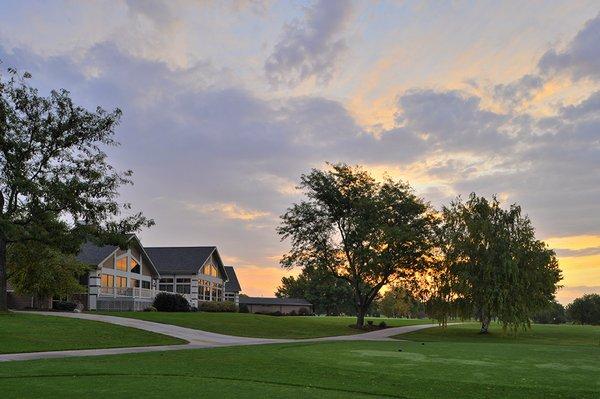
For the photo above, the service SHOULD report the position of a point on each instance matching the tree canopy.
(360, 230)
(329, 295)
(585, 310)
(491, 265)
(56, 184)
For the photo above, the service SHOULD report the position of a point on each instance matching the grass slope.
(262, 326)
(444, 369)
(32, 333)
(546, 334)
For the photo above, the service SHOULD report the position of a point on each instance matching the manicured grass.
(262, 326)
(21, 332)
(545, 334)
(356, 369)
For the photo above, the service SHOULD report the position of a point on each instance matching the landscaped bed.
(262, 326)
(21, 332)
(461, 368)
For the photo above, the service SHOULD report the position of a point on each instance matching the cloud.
(228, 210)
(515, 93)
(565, 252)
(310, 48)
(581, 57)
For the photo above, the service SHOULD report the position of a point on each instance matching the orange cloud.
(229, 210)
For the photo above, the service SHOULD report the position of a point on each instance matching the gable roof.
(92, 254)
(274, 301)
(232, 284)
(183, 260)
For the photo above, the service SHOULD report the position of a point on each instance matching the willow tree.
(491, 265)
(360, 230)
(56, 185)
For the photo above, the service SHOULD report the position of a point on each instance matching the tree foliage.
(328, 294)
(491, 265)
(397, 301)
(554, 313)
(42, 271)
(585, 310)
(56, 185)
(365, 232)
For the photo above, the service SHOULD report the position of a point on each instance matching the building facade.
(130, 278)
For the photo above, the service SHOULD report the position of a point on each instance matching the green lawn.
(262, 326)
(444, 368)
(21, 332)
(545, 334)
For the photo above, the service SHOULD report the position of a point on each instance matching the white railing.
(127, 292)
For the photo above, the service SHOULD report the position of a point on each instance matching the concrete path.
(197, 339)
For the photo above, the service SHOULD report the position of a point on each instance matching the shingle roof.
(93, 254)
(274, 301)
(232, 284)
(179, 260)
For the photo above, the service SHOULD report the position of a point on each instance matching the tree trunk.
(360, 316)
(3, 287)
(485, 323)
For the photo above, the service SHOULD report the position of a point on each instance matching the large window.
(183, 285)
(135, 266)
(107, 280)
(146, 284)
(210, 270)
(203, 290)
(166, 284)
(121, 282)
(122, 264)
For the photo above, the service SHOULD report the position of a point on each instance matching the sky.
(225, 104)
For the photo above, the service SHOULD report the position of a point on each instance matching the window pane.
(165, 287)
(135, 267)
(146, 284)
(166, 280)
(183, 288)
(121, 282)
(122, 264)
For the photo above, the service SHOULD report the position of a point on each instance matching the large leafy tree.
(585, 310)
(397, 301)
(56, 185)
(363, 231)
(491, 265)
(328, 294)
(43, 271)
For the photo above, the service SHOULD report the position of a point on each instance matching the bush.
(194, 309)
(168, 302)
(225, 306)
(382, 325)
(244, 308)
(292, 313)
(67, 306)
(303, 312)
(370, 322)
(150, 309)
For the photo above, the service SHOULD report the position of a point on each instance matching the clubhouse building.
(130, 278)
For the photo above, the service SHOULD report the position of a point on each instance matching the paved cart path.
(197, 339)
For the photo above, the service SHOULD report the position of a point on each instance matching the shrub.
(382, 325)
(150, 309)
(244, 308)
(67, 306)
(293, 313)
(168, 302)
(370, 322)
(303, 312)
(225, 306)
(194, 309)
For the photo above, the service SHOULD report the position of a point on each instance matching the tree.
(491, 265)
(585, 310)
(56, 185)
(554, 313)
(42, 271)
(398, 302)
(365, 232)
(329, 295)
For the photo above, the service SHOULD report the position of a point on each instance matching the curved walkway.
(197, 339)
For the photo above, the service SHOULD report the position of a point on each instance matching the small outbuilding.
(273, 305)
